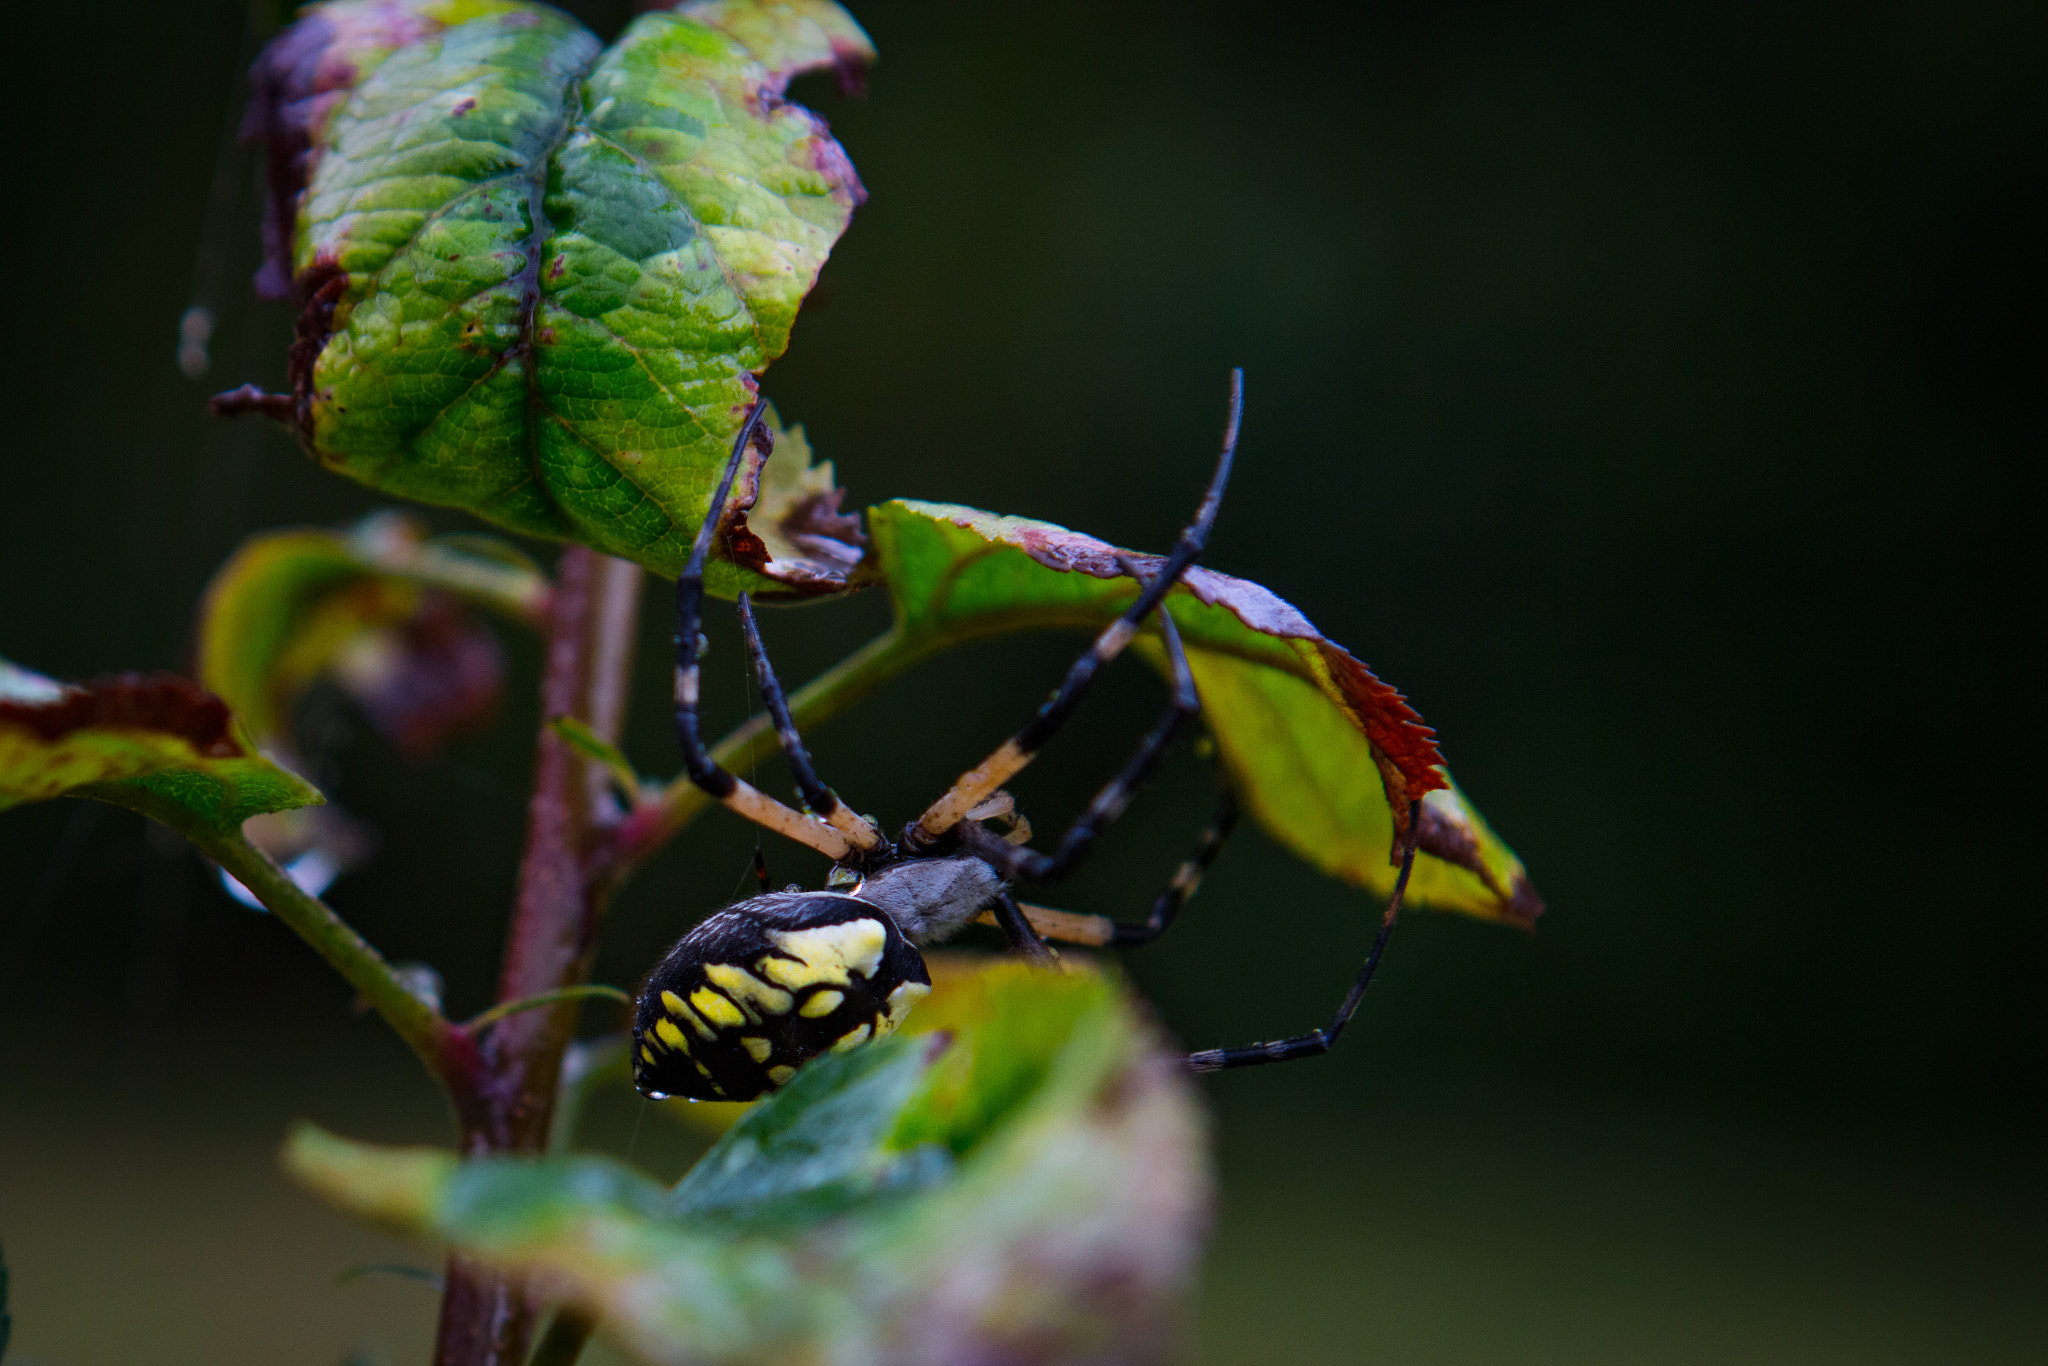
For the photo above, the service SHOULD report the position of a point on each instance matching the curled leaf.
(1034, 1191)
(539, 281)
(156, 743)
(380, 611)
(1324, 754)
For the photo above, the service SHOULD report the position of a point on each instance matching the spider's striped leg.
(822, 800)
(1318, 1041)
(1186, 878)
(978, 783)
(1100, 931)
(1028, 865)
(704, 771)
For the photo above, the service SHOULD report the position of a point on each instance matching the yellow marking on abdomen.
(900, 1002)
(757, 1049)
(648, 1054)
(671, 1036)
(716, 1008)
(754, 995)
(829, 954)
(853, 1038)
(779, 1075)
(821, 1004)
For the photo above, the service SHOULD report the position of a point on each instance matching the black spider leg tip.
(822, 800)
(1319, 1041)
(1028, 865)
(704, 770)
(979, 783)
(1186, 879)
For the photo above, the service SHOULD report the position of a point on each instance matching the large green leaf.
(538, 281)
(1035, 1194)
(1324, 754)
(155, 743)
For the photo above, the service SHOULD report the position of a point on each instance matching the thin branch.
(589, 991)
(348, 953)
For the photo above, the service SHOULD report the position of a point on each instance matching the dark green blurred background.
(1640, 388)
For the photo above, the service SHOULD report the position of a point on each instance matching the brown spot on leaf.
(462, 106)
(1444, 838)
(295, 85)
(160, 702)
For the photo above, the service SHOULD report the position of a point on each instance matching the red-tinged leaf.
(1325, 754)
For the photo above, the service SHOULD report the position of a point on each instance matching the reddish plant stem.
(487, 1318)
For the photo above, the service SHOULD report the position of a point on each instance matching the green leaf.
(830, 1224)
(1323, 754)
(820, 1145)
(539, 281)
(580, 737)
(155, 743)
(373, 608)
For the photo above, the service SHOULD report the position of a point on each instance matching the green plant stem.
(653, 823)
(563, 1342)
(588, 991)
(348, 953)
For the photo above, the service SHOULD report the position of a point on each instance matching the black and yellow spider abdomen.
(753, 992)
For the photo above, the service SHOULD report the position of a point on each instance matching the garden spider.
(758, 988)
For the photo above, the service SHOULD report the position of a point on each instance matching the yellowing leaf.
(156, 743)
(1325, 755)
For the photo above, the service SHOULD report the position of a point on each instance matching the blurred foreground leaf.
(538, 281)
(1323, 753)
(155, 743)
(1030, 1187)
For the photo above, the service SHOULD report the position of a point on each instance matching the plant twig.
(348, 953)
(486, 1316)
(588, 991)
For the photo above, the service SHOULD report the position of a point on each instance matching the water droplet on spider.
(656, 1095)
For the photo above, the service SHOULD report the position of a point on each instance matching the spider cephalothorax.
(743, 999)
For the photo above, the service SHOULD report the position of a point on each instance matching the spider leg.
(1318, 1041)
(1102, 932)
(1186, 878)
(979, 782)
(1023, 934)
(822, 800)
(704, 771)
(761, 870)
(1028, 865)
